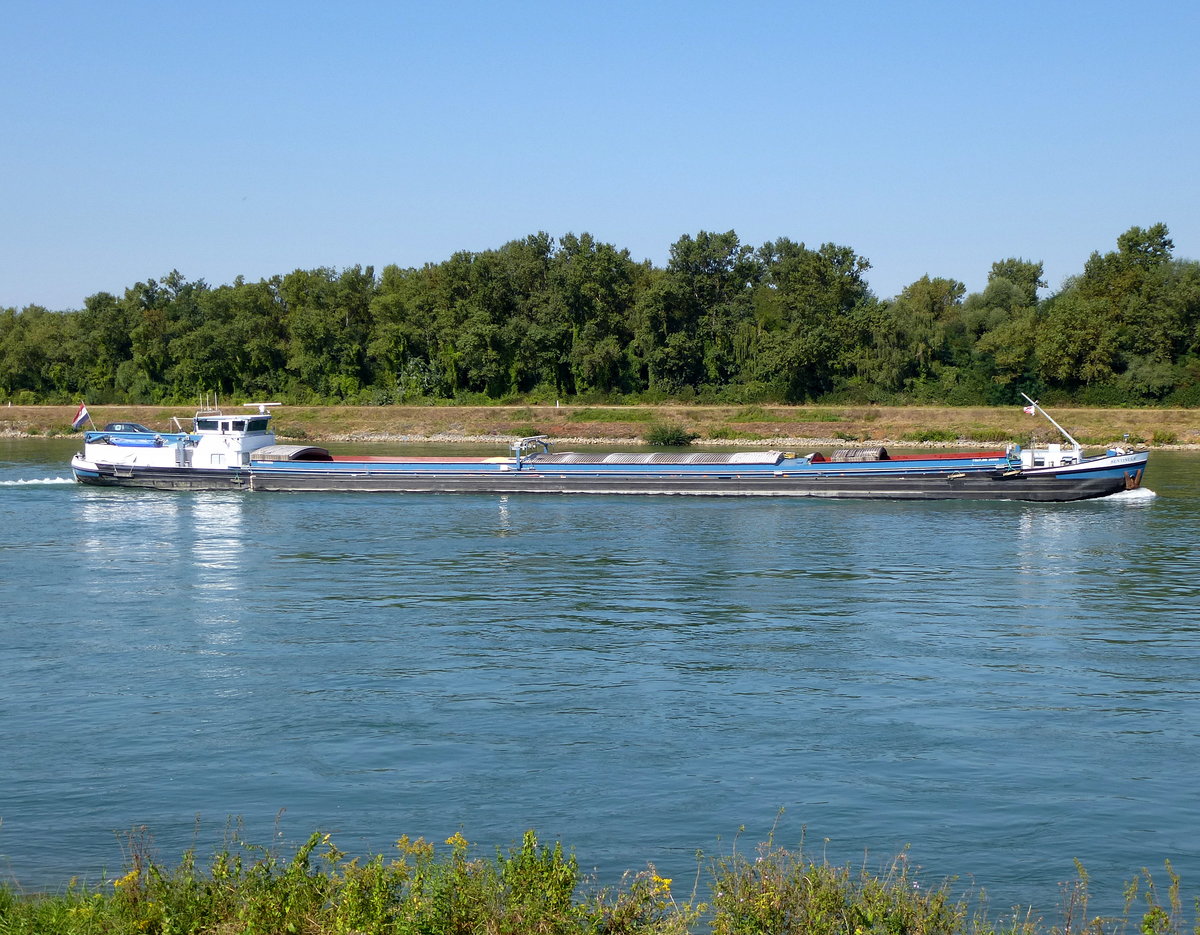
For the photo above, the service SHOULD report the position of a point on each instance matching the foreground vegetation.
(534, 888)
(540, 320)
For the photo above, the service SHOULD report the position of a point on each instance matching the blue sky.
(225, 139)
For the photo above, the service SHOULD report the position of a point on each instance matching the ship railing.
(529, 447)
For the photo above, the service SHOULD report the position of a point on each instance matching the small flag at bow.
(1031, 410)
(81, 416)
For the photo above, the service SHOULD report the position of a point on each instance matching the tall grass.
(611, 415)
(536, 889)
(759, 414)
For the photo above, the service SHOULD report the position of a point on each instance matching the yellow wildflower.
(128, 880)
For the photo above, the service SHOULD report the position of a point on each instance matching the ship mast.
(1067, 435)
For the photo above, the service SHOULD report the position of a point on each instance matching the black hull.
(978, 486)
(165, 478)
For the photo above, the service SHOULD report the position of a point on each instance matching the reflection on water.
(166, 570)
(503, 524)
(1003, 686)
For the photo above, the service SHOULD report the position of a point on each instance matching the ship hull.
(1045, 485)
(158, 478)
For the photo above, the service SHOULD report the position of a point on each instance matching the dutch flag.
(81, 416)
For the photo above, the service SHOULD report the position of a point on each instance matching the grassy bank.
(787, 426)
(534, 888)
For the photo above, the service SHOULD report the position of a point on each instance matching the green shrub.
(782, 893)
(544, 394)
(1185, 397)
(666, 435)
(1105, 395)
(754, 391)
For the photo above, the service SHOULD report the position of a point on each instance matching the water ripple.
(1005, 686)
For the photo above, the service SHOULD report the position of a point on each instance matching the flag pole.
(1067, 435)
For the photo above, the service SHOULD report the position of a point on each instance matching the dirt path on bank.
(758, 426)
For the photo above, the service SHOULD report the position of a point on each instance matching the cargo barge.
(238, 451)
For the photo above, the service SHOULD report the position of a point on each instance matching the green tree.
(537, 335)
(159, 311)
(39, 353)
(597, 285)
(106, 326)
(328, 318)
(404, 335)
(1124, 322)
(920, 340)
(807, 311)
(1026, 276)
(238, 346)
(1077, 341)
(475, 307)
(688, 318)
(1002, 323)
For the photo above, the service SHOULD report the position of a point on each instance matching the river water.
(1001, 687)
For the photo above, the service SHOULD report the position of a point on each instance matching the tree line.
(541, 319)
